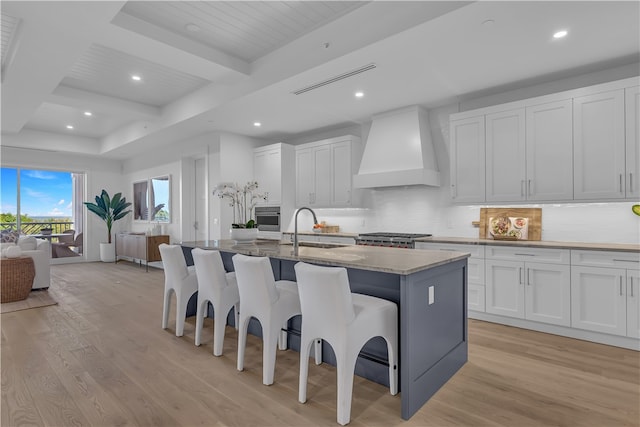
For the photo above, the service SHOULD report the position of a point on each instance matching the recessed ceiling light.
(69, 127)
(560, 34)
(136, 77)
(192, 27)
(88, 113)
(257, 124)
(359, 94)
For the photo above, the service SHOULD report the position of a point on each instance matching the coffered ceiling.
(214, 66)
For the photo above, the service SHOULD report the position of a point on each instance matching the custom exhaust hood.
(398, 151)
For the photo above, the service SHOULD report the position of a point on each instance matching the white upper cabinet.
(599, 146)
(506, 156)
(266, 171)
(324, 171)
(342, 173)
(632, 110)
(467, 159)
(549, 151)
(273, 170)
(582, 144)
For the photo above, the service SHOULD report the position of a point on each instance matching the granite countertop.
(622, 247)
(388, 260)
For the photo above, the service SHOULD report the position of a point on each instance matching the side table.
(16, 278)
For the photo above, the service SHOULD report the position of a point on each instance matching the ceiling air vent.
(335, 79)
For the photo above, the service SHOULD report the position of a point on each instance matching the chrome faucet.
(295, 234)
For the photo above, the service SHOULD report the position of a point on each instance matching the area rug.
(35, 299)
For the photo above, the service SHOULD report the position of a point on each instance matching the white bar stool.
(219, 288)
(179, 279)
(271, 302)
(346, 321)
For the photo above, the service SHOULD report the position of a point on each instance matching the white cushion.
(27, 243)
(5, 245)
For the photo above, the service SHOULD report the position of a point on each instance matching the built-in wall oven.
(268, 218)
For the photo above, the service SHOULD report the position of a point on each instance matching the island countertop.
(388, 260)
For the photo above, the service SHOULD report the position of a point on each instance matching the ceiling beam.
(145, 40)
(97, 103)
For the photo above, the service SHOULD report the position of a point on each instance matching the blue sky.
(43, 193)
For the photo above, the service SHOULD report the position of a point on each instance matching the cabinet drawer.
(552, 256)
(476, 251)
(606, 259)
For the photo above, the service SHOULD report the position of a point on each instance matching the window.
(32, 200)
(151, 200)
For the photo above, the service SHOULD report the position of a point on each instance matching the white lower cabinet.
(475, 270)
(537, 291)
(604, 292)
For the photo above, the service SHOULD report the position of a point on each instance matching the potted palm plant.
(109, 210)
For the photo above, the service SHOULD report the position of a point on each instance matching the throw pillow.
(7, 236)
(27, 243)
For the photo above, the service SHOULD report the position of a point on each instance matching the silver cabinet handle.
(530, 193)
(522, 188)
(526, 254)
(529, 277)
(621, 189)
(520, 275)
(621, 286)
(630, 182)
(631, 285)
(453, 191)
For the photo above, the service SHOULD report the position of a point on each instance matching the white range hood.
(398, 151)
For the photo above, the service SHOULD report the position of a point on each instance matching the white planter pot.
(244, 235)
(107, 252)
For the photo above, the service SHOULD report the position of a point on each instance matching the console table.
(139, 247)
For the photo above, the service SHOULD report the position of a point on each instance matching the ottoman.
(16, 278)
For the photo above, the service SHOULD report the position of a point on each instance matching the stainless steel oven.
(268, 218)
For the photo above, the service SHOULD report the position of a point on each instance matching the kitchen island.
(429, 287)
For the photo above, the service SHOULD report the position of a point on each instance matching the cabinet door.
(632, 111)
(633, 303)
(549, 151)
(598, 301)
(504, 288)
(305, 176)
(505, 159)
(548, 293)
(475, 297)
(266, 171)
(599, 146)
(321, 195)
(342, 174)
(467, 160)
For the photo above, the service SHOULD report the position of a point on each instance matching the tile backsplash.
(428, 210)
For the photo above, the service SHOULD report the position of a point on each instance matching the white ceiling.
(245, 59)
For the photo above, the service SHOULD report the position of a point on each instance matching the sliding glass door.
(46, 204)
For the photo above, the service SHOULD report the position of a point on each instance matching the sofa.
(40, 251)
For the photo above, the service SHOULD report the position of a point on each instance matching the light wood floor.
(100, 358)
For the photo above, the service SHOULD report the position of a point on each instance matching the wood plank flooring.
(100, 358)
